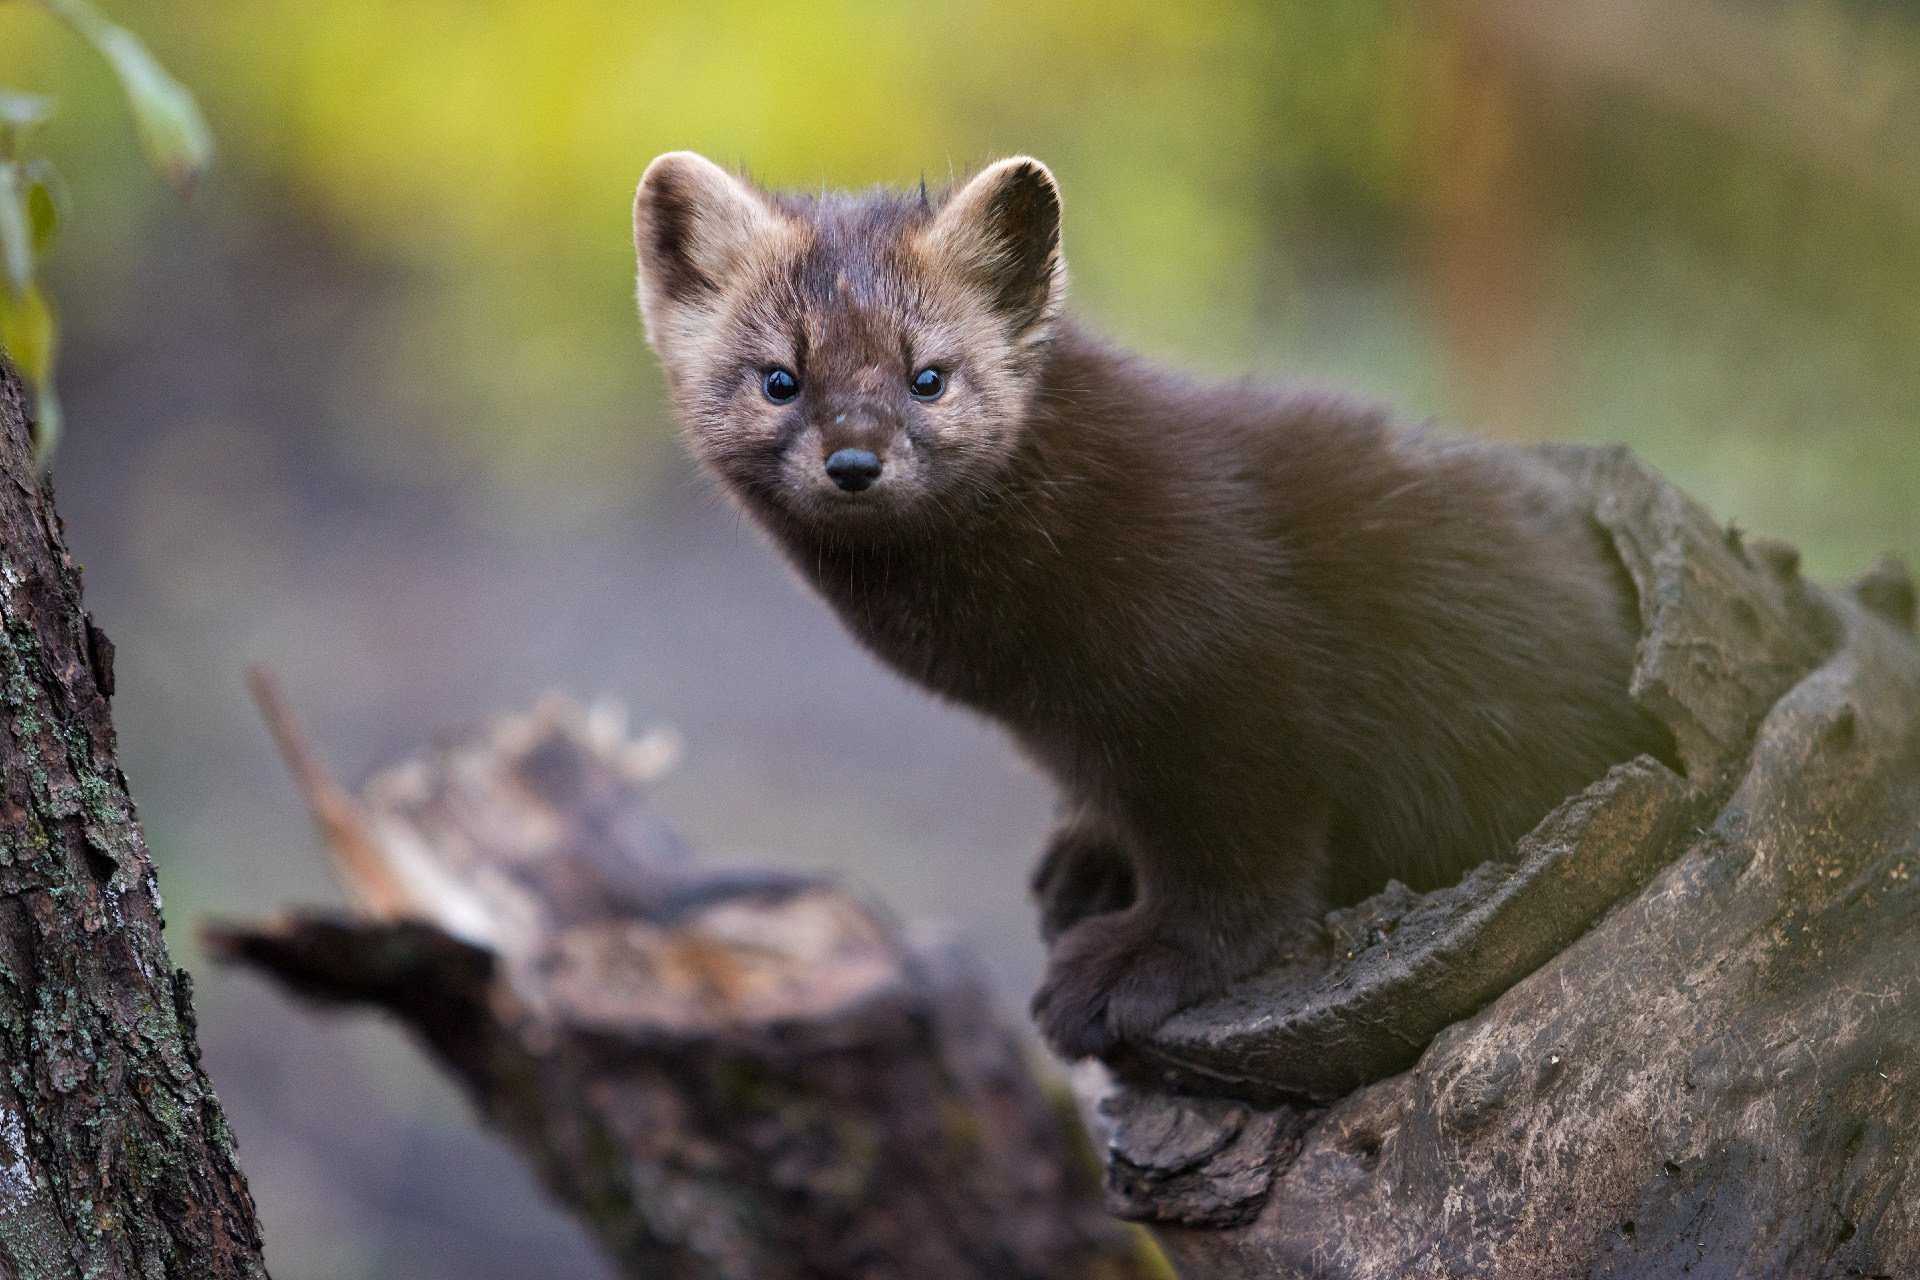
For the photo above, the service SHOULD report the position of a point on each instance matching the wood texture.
(1712, 1069)
(115, 1158)
(723, 1073)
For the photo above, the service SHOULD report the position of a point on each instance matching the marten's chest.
(985, 648)
(1053, 658)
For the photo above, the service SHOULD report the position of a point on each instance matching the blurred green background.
(375, 408)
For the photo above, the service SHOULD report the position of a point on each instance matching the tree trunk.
(115, 1159)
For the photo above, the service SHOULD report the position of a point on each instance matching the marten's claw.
(1113, 979)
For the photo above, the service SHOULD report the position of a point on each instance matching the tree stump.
(115, 1158)
(1675, 1034)
(1678, 1035)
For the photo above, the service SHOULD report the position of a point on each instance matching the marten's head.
(839, 359)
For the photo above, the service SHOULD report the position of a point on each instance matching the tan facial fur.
(854, 294)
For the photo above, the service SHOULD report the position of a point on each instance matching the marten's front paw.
(1114, 978)
(1081, 874)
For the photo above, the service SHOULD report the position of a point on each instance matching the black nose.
(853, 469)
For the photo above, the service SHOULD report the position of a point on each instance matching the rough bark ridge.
(1678, 1036)
(115, 1158)
(726, 1074)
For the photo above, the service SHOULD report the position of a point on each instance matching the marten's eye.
(928, 384)
(780, 385)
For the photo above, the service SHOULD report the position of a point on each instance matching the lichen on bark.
(115, 1158)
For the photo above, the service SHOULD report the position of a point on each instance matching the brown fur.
(1274, 649)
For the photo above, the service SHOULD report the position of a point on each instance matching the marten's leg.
(1084, 872)
(1208, 913)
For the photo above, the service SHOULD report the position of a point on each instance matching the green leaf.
(28, 332)
(16, 231)
(171, 127)
(46, 203)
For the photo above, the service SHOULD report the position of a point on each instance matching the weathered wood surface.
(115, 1158)
(1679, 1036)
(725, 1074)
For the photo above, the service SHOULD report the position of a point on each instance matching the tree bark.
(734, 1074)
(1678, 1036)
(115, 1158)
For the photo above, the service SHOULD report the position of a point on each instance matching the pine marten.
(1274, 648)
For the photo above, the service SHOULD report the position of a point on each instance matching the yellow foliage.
(1478, 208)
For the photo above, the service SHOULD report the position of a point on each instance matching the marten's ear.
(1002, 231)
(694, 226)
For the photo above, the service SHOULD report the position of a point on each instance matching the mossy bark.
(115, 1158)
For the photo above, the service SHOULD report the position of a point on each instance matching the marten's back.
(1434, 631)
(1481, 640)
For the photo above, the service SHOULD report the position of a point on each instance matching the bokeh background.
(374, 409)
